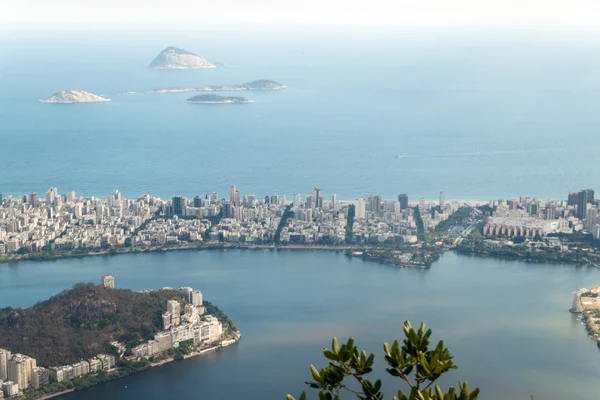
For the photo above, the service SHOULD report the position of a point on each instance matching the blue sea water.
(476, 117)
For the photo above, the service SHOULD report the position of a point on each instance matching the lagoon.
(506, 322)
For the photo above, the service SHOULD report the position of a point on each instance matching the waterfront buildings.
(40, 377)
(66, 223)
(191, 326)
(20, 370)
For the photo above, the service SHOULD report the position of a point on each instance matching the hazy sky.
(29, 14)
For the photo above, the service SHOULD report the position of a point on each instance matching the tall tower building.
(196, 298)
(310, 201)
(236, 198)
(441, 198)
(33, 199)
(108, 281)
(572, 199)
(318, 198)
(5, 355)
(297, 200)
(178, 205)
(18, 368)
(334, 199)
(71, 195)
(232, 191)
(403, 199)
(376, 204)
(582, 202)
(174, 308)
(360, 211)
(590, 195)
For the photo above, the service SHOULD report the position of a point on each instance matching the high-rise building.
(5, 355)
(178, 205)
(572, 199)
(591, 218)
(196, 298)
(403, 199)
(232, 191)
(1, 199)
(590, 195)
(582, 202)
(197, 202)
(441, 198)
(40, 377)
(297, 200)
(376, 203)
(71, 195)
(310, 201)
(318, 198)
(360, 211)
(174, 308)
(236, 198)
(19, 370)
(596, 231)
(228, 210)
(275, 199)
(78, 210)
(33, 199)
(108, 281)
(421, 202)
(333, 199)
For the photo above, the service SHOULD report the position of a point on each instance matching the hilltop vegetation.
(81, 322)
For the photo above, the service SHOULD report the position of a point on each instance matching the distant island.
(176, 58)
(261, 84)
(74, 96)
(92, 333)
(216, 99)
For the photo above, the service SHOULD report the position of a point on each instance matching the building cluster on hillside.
(19, 372)
(533, 217)
(29, 224)
(181, 325)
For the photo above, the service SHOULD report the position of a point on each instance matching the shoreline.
(295, 247)
(224, 343)
(61, 256)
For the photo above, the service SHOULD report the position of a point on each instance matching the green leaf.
(335, 346)
(315, 374)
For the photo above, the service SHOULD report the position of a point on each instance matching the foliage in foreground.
(418, 365)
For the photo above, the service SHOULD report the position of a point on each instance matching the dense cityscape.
(57, 223)
(62, 225)
(186, 330)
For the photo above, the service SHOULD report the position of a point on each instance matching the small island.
(93, 334)
(216, 99)
(258, 85)
(176, 58)
(74, 96)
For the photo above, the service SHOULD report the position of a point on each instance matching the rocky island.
(74, 96)
(216, 99)
(258, 85)
(176, 58)
(91, 334)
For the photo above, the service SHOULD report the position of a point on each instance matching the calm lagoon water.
(506, 322)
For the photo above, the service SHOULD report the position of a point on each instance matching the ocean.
(475, 116)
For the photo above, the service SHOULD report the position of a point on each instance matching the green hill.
(80, 322)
